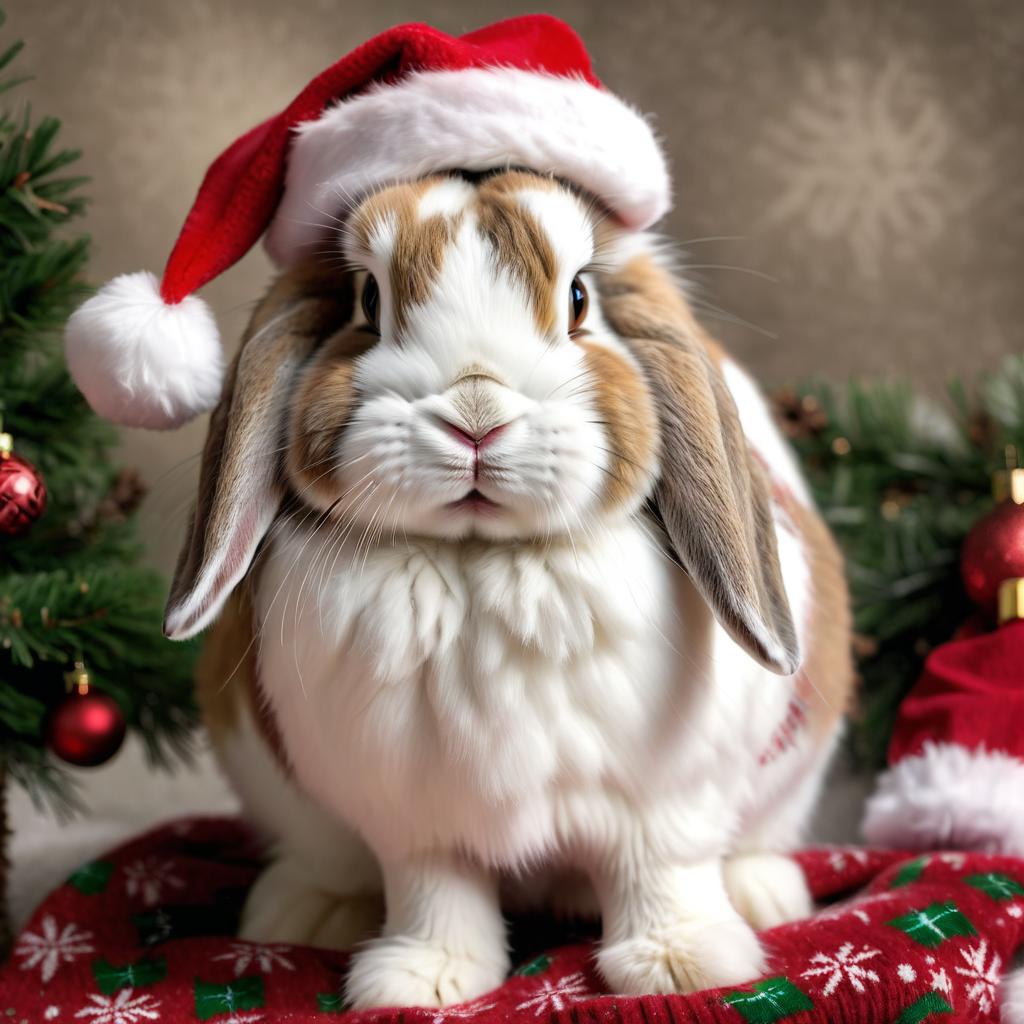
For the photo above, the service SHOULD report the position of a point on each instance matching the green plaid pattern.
(242, 994)
(536, 966)
(110, 977)
(909, 872)
(933, 925)
(330, 1002)
(771, 1000)
(920, 1011)
(999, 887)
(92, 878)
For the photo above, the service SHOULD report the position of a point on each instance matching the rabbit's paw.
(768, 889)
(685, 957)
(282, 908)
(404, 971)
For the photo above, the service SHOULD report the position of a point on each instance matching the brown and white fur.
(609, 638)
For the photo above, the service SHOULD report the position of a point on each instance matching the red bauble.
(993, 552)
(22, 495)
(86, 729)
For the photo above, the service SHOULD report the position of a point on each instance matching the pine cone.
(800, 416)
(123, 498)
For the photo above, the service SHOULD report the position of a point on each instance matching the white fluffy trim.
(950, 797)
(474, 119)
(1011, 997)
(141, 362)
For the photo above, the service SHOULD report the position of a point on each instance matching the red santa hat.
(956, 775)
(956, 761)
(410, 101)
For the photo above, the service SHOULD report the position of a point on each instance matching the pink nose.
(474, 440)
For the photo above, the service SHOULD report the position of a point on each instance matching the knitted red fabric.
(145, 935)
(242, 188)
(971, 694)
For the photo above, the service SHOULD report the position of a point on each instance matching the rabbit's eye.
(578, 303)
(371, 302)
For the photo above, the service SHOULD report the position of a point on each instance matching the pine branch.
(901, 481)
(72, 587)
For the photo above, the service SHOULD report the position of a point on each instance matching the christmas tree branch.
(901, 480)
(71, 588)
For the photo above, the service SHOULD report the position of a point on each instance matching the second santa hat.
(410, 101)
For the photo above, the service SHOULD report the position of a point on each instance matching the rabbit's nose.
(474, 438)
(477, 406)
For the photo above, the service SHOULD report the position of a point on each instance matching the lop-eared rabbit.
(513, 587)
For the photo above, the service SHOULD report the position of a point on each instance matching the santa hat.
(956, 761)
(410, 101)
(956, 775)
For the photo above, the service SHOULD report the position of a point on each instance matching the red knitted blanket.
(146, 935)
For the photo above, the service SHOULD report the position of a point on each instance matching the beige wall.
(848, 174)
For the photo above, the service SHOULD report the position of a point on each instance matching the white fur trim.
(474, 119)
(948, 796)
(141, 362)
(1011, 997)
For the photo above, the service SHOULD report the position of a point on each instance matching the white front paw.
(685, 957)
(404, 971)
(768, 889)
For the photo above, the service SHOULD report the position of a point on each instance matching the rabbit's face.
(484, 393)
(478, 392)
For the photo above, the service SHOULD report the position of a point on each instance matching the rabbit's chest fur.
(504, 699)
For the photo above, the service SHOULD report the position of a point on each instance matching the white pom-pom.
(141, 362)
(949, 797)
(1011, 997)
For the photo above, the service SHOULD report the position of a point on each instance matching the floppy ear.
(241, 479)
(712, 494)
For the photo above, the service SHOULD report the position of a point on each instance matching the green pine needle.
(915, 478)
(72, 587)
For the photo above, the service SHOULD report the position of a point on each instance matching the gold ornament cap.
(77, 679)
(1008, 484)
(1011, 600)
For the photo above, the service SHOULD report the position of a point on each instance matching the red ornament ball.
(22, 495)
(86, 729)
(992, 552)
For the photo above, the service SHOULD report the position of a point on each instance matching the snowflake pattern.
(840, 859)
(149, 879)
(846, 911)
(982, 975)
(906, 973)
(122, 1008)
(462, 1011)
(853, 967)
(862, 160)
(855, 908)
(556, 995)
(844, 964)
(265, 958)
(52, 946)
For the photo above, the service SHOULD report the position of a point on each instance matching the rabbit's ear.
(712, 494)
(241, 479)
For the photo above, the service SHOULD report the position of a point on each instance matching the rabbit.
(509, 576)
